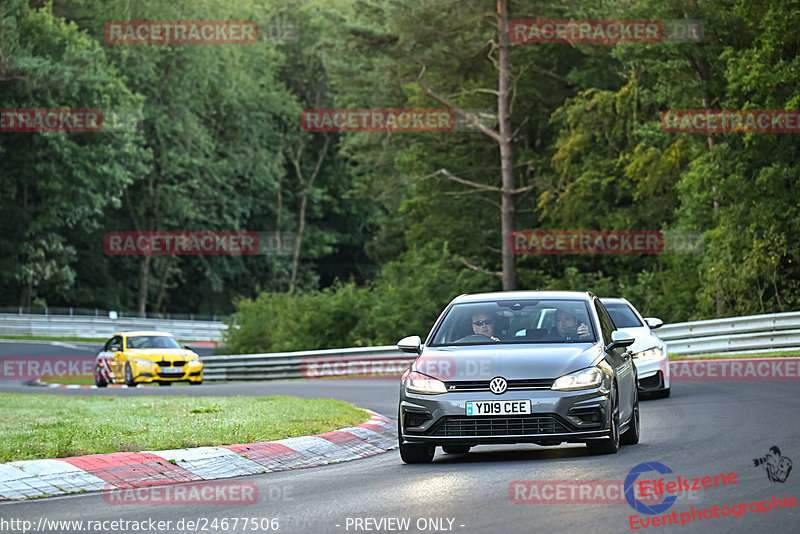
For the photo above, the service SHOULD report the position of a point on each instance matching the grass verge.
(80, 380)
(777, 354)
(55, 426)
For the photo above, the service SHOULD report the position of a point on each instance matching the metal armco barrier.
(362, 361)
(738, 334)
(104, 327)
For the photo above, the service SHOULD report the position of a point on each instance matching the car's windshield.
(622, 315)
(516, 321)
(153, 342)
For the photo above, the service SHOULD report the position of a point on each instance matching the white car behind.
(649, 352)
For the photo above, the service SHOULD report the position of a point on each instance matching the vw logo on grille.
(498, 385)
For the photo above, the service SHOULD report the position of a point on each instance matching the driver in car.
(568, 328)
(483, 324)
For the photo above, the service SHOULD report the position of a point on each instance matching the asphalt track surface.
(703, 429)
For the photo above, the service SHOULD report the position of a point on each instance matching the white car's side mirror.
(653, 322)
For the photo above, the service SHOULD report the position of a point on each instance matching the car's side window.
(116, 340)
(606, 323)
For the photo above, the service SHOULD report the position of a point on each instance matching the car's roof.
(615, 301)
(515, 295)
(143, 333)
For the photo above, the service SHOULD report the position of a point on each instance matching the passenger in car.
(567, 327)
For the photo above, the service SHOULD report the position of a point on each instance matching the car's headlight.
(142, 363)
(585, 379)
(418, 383)
(194, 363)
(656, 353)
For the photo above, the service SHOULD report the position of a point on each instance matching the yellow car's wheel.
(129, 380)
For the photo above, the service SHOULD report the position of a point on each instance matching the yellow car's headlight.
(142, 363)
(194, 363)
(656, 353)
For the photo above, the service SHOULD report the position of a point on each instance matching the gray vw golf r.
(529, 366)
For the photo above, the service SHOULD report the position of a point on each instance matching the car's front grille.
(483, 385)
(497, 426)
(176, 363)
(170, 375)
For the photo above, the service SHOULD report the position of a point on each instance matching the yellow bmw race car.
(145, 357)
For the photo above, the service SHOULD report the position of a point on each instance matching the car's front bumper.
(557, 416)
(653, 374)
(155, 373)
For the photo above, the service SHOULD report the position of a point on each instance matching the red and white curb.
(123, 470)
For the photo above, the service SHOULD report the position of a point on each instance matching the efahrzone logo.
(666, 491)
(180, 32)
(354, 367)
(33, 367)
(193, 493)
(605, 242)
(777, 466)
(744, 369)
(597, 31)
(730, 121)
(717, 511)
(198, 243)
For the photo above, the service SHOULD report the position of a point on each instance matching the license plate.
(172, 370)
(512, 407)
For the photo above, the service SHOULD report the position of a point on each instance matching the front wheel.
(610, 445)
(98, 380)
(129, 380)
(631, 436)
(414, 454)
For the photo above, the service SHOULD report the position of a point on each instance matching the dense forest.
(389, 226)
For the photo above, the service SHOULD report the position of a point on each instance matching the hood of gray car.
(511, 361)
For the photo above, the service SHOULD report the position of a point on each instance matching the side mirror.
(115, 348)
(653, 322)
(410, 344)
(188, 347)
(619, 340)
